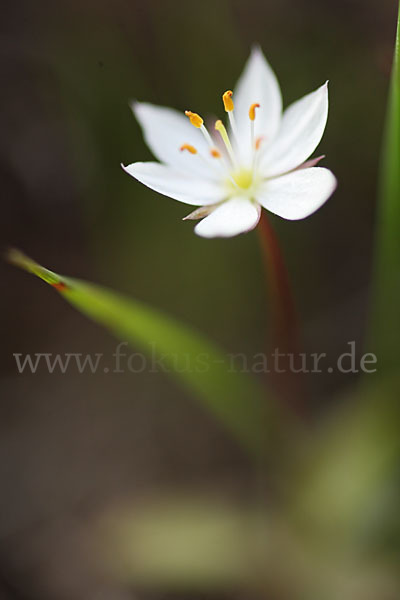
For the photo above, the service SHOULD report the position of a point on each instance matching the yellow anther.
(227, 100)
(215, 153)
(189, 148)
(195, 119)
(252, 111)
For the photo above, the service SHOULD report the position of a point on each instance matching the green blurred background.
(79, 450)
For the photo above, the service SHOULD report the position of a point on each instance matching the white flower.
(258, 162)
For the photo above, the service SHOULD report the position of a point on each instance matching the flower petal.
(175, 184)
(301, 130)
(257, 83)
(200, 213)
(230, 218)
(298, 194)
(165, 130)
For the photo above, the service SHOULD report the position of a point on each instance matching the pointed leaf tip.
(20, 260)
(232, 396)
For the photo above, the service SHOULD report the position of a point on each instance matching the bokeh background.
(123, 486)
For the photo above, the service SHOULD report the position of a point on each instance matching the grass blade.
(233, 397)
(385, 318)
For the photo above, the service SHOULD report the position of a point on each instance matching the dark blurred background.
(76, 447)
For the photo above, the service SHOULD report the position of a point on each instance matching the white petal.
(175, 184)
(301, 130)
(165, 131)
(257, 83)
(230, 218)
(298, 194)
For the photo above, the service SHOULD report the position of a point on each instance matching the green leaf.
(232, 396)
(385, 318)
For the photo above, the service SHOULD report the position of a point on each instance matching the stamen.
(207, 136)
(220, 127)
(189, 148)
(258, 142)
(257, 146)
(198, 122)
(215, 153)
(229, 107)
(228, 102)
(194, 118)
(205, 159)
(252, 111)
(252, 117)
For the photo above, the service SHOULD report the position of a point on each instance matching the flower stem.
(284, 336)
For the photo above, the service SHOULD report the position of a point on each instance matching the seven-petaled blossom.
(258, 162)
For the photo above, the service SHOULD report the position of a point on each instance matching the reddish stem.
(284, 323)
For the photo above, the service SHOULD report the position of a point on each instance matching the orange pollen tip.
(252, 111)
(215, 153)
(189, 148)
(194, 118)
(227, 100)
(259, 141)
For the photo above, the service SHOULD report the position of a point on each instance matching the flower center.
(243, 178)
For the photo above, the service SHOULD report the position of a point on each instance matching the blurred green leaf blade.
(234, 397)
(385, 317)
